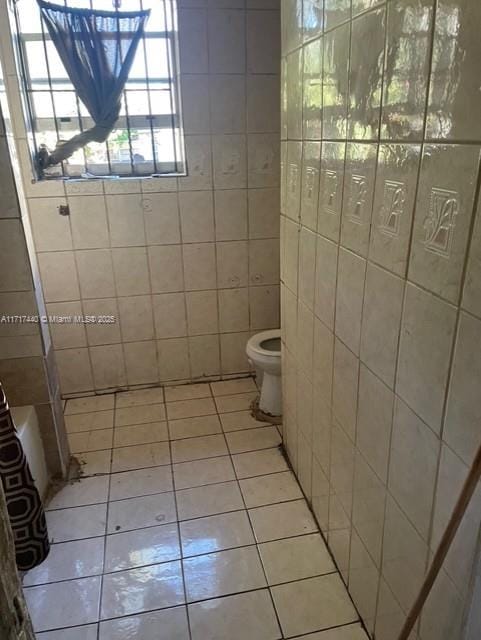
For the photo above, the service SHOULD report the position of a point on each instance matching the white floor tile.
(349, 632)
(126, 416)
(200, 472)
(140, 434)
(194, 427)
(215, 533)
(276, 487)
(190, 408)
(169, 624)
(209, 500)
(187, 392)
(81, 492)
(237, 402)
(282, 521)
(223, 573)
(238, 420)
(90, 403)
(76, 633)
(142, 547)
(63, 604)
(67, 560)
(229, 387)
(89, 421)
(140, 456)
(74, 524)
(198, 448)
(253, 439)
(140, 482)
(259, 463)
(136, 513)
(137, 590)
(93, 463)
(91, 440)
(295, 558)
(312, 605)
(140, 397)
(245, 615)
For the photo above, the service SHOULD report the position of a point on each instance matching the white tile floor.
(186, 525)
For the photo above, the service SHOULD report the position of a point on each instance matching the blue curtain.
(97, 49)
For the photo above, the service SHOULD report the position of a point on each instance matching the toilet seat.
(256, 341)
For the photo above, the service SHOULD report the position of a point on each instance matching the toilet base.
(270, 401)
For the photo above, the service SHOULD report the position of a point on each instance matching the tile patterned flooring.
(185, 525)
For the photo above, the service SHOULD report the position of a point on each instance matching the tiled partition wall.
(189, 267)
(27, 368)
(381, 291)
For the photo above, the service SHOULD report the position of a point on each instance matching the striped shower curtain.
(24, 506)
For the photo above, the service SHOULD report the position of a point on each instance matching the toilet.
(264, 352)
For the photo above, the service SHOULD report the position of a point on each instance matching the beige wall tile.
(136, 318)
(126, 220)
(51, 231)
(14, 265)
(193, 40)
(427, 332)
(96, 275)
(141, 362)
(349, 298)
(173, 357)
(263, 160)
(169, 315)
(307, 267)
(232, 264)
(108, 366)
(232, 352)
(345, 388)
(74, 370)
(102, 333)
(381, 320)
(263, 103)
(161, 218)
(88, 219)
(461, 427)
(228, 103)
(263, 41)
(202, 313)
(165, 264)
(66, 334)
(233, 310)
(196, 216)
(227, 44)
(59, 276)
(264, 216)
(131, 271)
(442, 219)
(204, 356)
(195, 101)
(231, 214)
(472, 287)
(264, 307)
(199, 266)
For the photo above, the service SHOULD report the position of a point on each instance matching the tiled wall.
(381, 290)
(190, 266)
(27, 369)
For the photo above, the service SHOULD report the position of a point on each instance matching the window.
(147, 139)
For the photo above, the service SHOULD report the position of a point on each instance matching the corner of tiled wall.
(381, 291)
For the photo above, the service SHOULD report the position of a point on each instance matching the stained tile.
(141, 547)
(259, 463)
(230, 387)
(192, 427)
(222, 573)
(201, 472)
(270, 489)
(282, 521)
(67, 560)
(93, 463)
(187, 392)
(91, 440)
(237, 402)
(139, 397)
(313, 604)
(137, 513)
(140, 482)
(169, 624)
(77, 523)
(138, 590)
(140, 456)
(246, 615)
(140, 434)
(81, 492)
(238, 420)
(90, 404)
(190, 408)
(63, 604)
(197, 448)
(295, 558)
(253, 439)
(209, 500)
(89, 421)
(215, 533)
(139, 415)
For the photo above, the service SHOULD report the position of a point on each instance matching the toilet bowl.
(264, 352)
